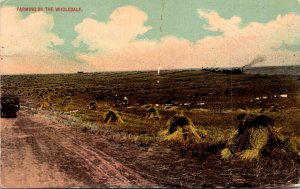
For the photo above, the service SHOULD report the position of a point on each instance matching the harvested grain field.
(65, 143)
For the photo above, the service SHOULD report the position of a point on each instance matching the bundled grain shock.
(152, 112)
(112, 116)
(256, 137)
(182, 129)
(92, 105)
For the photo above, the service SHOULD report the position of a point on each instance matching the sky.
(124, 35)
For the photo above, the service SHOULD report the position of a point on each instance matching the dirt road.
(40, 152)
(42, 149)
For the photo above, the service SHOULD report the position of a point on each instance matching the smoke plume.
(255, 61)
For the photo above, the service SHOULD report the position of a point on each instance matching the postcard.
(140, 93)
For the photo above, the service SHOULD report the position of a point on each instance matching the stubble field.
(210, 100)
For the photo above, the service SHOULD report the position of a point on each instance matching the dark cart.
(9, 106)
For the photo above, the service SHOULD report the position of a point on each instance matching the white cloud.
(239, 46)
(115, 46)
(124, 25)
(27, 43)
(27, 36)
(217, 23)
(118, 48)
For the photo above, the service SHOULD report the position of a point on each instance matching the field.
(210, 100)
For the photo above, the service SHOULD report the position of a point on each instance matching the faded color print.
(141, 35)
(150, 93)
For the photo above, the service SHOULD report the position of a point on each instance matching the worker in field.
(116, 100)
(125, 101)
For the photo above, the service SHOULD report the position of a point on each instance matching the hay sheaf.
(112, 116)
(255, 138)
(152, 112)
(65, 103)
(92, 105)
(45, 105)
(181, 129)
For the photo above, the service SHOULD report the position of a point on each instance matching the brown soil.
(46, 150)
(38, 152)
